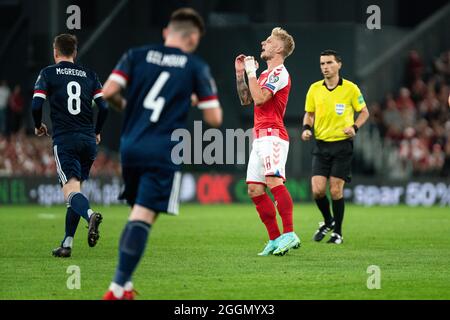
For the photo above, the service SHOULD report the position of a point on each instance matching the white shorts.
(268, 158)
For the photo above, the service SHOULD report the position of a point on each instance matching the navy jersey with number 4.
(160, 81)
(71, 90)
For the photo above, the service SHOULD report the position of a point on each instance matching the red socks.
(267, 211)
(268, 214)
(284, 206)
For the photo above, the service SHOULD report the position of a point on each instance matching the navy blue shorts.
(74, 156)
(153, 188)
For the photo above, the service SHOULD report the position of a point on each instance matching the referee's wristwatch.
(355, 127)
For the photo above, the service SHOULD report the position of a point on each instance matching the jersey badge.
(340, 108)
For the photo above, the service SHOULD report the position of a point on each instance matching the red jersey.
(268, 117)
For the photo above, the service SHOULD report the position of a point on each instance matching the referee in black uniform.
(330, 106)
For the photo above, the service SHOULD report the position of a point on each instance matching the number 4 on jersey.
(152, 101)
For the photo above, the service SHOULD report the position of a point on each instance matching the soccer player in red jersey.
(269, 94)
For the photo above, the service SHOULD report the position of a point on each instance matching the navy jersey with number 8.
(71, 90)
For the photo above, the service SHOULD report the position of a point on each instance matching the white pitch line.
(47, 216)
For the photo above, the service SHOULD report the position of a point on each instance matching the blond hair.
(288, 40)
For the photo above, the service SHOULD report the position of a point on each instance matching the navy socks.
(72, 220)
(80, 204)
(131, 248)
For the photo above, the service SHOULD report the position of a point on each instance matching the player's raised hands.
(239, 64)
(250, 66)
(41, 131)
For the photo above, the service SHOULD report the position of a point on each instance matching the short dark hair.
(188, 16)
(330, 52)
(66, 44)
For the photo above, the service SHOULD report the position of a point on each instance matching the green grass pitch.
(209, 252)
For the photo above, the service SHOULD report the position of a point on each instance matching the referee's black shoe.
(93, 234)
(62, 252)
(336, 239)
(323, 230)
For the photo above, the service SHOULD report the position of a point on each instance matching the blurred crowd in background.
(416, 119)
(12, 105)
(22, 155)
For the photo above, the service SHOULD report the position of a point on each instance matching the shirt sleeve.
(122, 72)
(309, 103)
(39, 96)
(205, 88)
(277, 79)
(97, 88)
(41, 86)
(102, 114)
(358, 102)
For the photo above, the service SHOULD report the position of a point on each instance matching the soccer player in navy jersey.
(160, 80)
(70, 89)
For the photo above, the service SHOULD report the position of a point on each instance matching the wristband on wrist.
(251, 74)
(307, 127)
(355, 127)
(250, 68)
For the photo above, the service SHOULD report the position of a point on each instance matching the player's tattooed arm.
(243, 90)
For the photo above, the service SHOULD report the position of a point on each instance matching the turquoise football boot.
(270, 247)
(288, 241)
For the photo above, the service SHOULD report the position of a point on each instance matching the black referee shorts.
(333, 159)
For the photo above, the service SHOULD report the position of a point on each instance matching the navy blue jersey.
(160, 81)
(71, 90)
